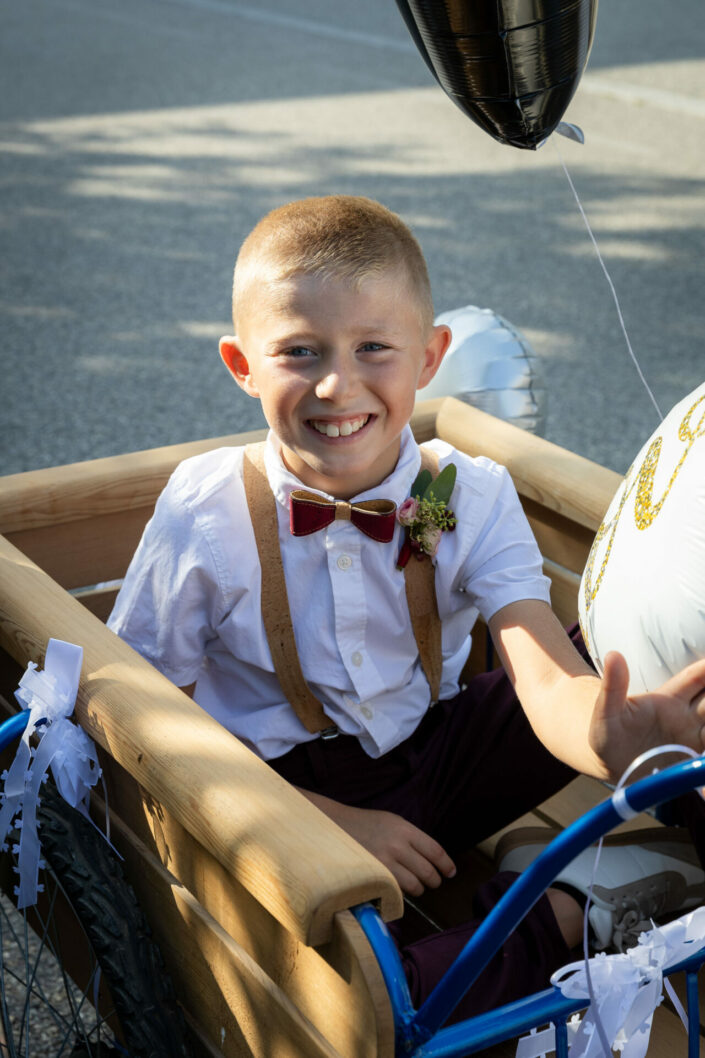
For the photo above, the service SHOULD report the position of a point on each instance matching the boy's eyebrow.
(289, 337)
(379, 328)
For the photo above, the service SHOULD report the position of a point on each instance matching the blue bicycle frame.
(419, 1033)
(13, 728)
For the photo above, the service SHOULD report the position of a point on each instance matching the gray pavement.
(140, 141)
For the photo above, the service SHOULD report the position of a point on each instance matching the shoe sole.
(662, 836)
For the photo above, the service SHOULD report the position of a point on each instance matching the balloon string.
(611, 284)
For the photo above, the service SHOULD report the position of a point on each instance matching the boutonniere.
(426, 514)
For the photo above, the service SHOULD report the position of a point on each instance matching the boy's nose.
(336, 383)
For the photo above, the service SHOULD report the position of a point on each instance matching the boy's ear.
(434, 353)
(236, 362)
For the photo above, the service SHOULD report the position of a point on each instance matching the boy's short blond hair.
(347, 237)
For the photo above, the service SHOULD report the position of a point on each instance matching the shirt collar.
(395, 487)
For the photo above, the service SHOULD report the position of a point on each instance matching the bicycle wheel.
(81, 976)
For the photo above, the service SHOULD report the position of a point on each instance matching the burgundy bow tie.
(309, 513)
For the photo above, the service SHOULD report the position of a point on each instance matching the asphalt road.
(140, 141)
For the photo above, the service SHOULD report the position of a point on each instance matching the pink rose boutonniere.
(426, 514)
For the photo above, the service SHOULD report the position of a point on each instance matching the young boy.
(334, 334)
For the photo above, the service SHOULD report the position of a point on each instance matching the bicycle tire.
(89, 875)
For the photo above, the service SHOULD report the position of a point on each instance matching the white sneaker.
(641, 875)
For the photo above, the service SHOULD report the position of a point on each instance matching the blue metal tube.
(561, 1039)
(529, 886)
(12, 729)
(691, 985)
(504, 1023)
(391, 966)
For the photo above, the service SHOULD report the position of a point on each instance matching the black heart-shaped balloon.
(511, 65)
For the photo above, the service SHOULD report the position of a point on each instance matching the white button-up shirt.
(190, 602)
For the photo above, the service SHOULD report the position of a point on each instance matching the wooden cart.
(248, 886)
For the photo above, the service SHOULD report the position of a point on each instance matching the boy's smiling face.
(336, 367)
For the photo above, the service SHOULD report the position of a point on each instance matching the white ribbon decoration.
(50, 696)
(627, 987)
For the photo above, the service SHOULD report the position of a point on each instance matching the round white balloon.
(643, 588)
(490, 365)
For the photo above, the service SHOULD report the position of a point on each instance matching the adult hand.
(623, 727)
(416, 860)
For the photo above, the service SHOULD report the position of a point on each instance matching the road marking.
(641, 95)
(304, 25)
(591, 83)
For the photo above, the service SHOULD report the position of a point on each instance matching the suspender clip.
(329, 733)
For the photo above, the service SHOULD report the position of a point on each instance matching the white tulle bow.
(627, 988)
(49, 695)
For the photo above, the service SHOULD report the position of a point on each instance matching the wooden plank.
(96, 487)
(560, 539)
(99, 601)
(224, 795)
(582, 794)
(85, 552)
(565, 586)
(81, 523)
(558, 479)
(46, 498)
(338, 986)
(423, 420)
(199, 1045)
(238, 1009)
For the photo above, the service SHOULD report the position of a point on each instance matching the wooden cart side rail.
(38, 499)
(560, 481)
(49, 497)
(341, 993)
(565, 496)
(235, 1005)
(281, 998)
(81, 523)
(303, 869)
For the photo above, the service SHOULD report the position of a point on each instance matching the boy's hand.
(623, 727)
(416, 860)
(590, 723)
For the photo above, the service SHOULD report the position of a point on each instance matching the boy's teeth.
(344, 429)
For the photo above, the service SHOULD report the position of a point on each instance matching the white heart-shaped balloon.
(490, 365)
(643, 588)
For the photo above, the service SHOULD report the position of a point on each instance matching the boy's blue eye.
(372, 347)
(298, 351)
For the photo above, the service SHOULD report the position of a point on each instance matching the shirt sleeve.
(504, 564)
(168, 606)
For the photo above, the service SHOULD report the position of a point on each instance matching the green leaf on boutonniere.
(421, 484)
(442, 487)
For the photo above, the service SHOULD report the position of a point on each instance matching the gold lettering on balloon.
(645, 510)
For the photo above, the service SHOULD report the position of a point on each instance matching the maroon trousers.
(472, 766)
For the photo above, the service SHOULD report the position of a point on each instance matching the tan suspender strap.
(419, 579)
(276, 614)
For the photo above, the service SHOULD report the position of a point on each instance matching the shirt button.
(357, 658)
(366, 712)
(344, 562)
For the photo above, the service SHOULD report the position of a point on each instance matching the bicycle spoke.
(87, 925)
(75, 1021)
